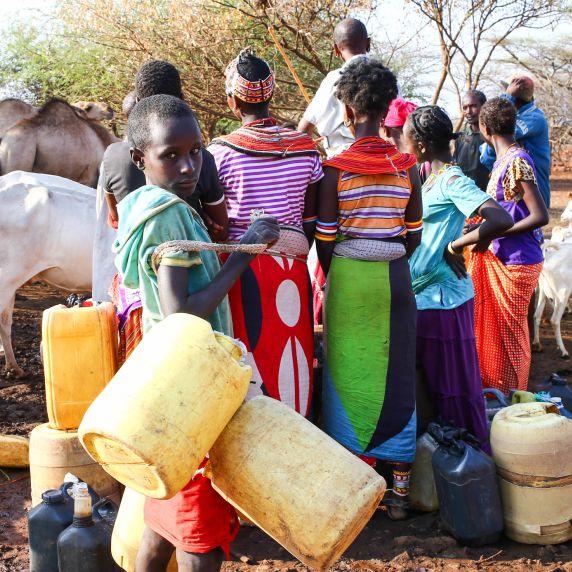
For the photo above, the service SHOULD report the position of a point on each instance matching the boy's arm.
(306, 127)
(173, 281)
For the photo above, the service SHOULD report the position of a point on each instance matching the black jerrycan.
(86, 544)
(45, 523)
(467, 487)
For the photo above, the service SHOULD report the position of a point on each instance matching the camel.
(96, 110)
(56, 141)
(12, 111)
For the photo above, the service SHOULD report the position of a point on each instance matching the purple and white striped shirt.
(276, 185)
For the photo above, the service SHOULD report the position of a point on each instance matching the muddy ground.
(417, 544)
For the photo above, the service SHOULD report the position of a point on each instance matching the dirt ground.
(417, 544)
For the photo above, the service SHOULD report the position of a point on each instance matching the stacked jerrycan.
(531, 448)
(79, 349)
(314, 500)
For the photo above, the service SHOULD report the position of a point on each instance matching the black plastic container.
(467, 488)
(86, 546)
(105, 510)
(45, 523)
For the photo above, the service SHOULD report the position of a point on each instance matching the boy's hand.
(214, 229)
(263, 230)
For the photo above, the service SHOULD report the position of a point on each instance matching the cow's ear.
(137, 158)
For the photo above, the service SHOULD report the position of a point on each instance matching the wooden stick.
(289, 64)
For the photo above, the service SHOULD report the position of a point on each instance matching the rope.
(198, 246)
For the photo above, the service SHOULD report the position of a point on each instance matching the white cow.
(47, 226)
(555, 284)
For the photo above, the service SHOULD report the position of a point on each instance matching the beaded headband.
(248, 91)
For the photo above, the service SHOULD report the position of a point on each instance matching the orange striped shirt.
(372, 206)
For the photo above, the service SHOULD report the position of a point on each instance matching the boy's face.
(173, 158)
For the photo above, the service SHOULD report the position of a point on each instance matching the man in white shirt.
(325, 113)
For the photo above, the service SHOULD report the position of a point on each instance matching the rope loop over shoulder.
(198, 246)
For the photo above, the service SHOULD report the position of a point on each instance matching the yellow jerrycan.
(127, 532)
(14, 452)
(531, 448)
(79, 348)
(54, 453)
(293, 481)
(152, 426)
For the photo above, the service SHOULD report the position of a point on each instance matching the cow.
(555, 285)
(48, 226)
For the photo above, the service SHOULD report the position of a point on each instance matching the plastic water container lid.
(53, 497)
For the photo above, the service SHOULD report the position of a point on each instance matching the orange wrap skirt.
(502, 296)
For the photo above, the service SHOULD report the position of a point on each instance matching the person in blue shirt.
(531, 132)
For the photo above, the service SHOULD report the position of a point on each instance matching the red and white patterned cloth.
(502, 296)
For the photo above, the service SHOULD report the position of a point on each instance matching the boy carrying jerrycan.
(166, 145)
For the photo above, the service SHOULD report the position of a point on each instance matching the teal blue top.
(446, 205)
(148, 217)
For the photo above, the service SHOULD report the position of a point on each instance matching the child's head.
(392, 127)
(366, 88)
(249, 84)
(166, 143)
(156, 77)
(498, 117)
(428, 133)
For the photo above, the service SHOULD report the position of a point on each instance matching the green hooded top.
(149, 217)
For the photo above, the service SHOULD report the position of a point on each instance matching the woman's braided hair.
(431, 126)
(368, 87)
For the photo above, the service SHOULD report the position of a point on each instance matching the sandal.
(395, 506)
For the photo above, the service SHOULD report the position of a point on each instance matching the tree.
(470, 31)
(95, 47)
(201, 37)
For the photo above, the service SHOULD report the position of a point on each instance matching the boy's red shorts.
(197, 519)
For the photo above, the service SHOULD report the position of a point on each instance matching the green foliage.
(57, 65)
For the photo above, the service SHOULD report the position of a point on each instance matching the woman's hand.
(470, 227)
(482, 246)
(264, 230)
(456, 262)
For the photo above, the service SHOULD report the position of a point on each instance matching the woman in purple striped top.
(271, 170)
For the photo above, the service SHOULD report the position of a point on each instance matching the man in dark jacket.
(467, 147)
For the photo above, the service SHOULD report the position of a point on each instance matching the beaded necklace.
(428, 184)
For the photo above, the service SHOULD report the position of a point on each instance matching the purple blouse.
(516, 165)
